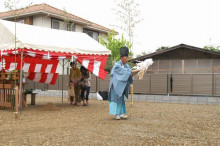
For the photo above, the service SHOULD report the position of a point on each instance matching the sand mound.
(50, 107)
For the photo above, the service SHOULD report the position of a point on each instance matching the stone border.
(148, 98)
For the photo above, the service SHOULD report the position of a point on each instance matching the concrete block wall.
(147, 98)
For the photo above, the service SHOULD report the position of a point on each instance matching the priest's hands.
(135, 71)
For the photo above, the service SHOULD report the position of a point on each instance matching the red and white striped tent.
(43, 48)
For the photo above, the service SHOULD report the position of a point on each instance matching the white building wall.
(78, 28)
(42, 21)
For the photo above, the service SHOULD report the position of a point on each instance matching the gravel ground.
(147, 124)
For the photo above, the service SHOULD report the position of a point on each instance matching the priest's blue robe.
(120, 81)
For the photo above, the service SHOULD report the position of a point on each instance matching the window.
(20, 21)
(58, 24)
(71, 27)
(92, 34)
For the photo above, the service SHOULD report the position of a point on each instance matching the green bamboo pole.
(16, 88)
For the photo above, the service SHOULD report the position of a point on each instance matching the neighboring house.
(183, 59)
(44, 15)
(182, 70)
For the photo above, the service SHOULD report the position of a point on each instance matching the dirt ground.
(148, 124)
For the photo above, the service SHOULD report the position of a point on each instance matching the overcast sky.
(165, 22)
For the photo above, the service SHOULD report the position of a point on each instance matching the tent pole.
(20, 84)
(2, 60)
(62, 80)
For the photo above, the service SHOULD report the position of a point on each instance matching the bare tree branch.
(127, 12)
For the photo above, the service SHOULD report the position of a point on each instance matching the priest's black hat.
(124, 51)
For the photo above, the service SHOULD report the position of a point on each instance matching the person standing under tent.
(71, 86)
(85, 85)
(75, 76)
(120, 80)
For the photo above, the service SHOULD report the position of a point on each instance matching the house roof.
(47, 9)
(173, 48)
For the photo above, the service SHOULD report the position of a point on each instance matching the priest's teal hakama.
(120, 81)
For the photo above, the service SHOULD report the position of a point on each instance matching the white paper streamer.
(143, 66)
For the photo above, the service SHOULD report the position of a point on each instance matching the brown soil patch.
(49, 107)
(148, 124)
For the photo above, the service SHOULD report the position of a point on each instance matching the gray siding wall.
(185, 66)
(183, 84)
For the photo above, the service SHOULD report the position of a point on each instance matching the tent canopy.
(42, 44)
(46, 39)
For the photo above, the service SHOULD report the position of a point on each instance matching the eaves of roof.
(49, 10)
